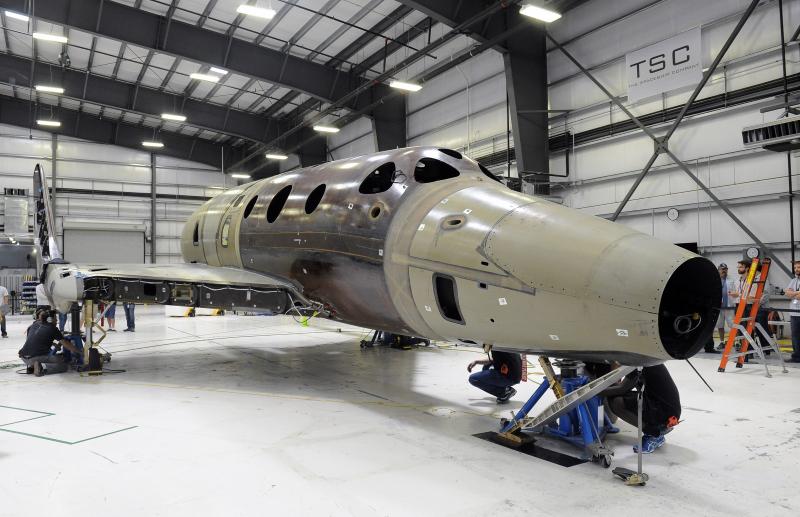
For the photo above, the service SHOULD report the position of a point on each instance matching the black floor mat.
(531, 449)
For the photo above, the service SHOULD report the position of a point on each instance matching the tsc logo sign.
(667, 65)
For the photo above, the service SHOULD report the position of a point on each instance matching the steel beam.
(135, 26)
(659, 143)
(17, 112)
(117, 94)
(152, 208)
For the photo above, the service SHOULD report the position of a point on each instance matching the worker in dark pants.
(499, 374)
(793, 293)
(130, 317)
(42, 334)
(661, 405)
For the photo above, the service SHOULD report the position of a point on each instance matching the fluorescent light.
(205, 77)
(17, 16)
(49, 89)
(156, 145)
(400, 85)
(219, 71)
(173, 116)
(276, 156)
(49, 37)
(50, 123)
(240, 176)
(539, 13)
(326, 129)
(259, 12)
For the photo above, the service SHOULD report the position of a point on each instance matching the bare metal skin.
(432, 246)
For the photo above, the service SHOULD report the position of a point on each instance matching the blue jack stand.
(75, 335)
(572, 418)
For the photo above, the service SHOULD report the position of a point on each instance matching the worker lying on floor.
(35, 353)
(661, 405)
(500, 372)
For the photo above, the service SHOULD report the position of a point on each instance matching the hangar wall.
(107, 186)
(465, 109)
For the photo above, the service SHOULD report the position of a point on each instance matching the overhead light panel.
(539, 13)
(55, 38)
(49, 89)
(400, 85)
(258, 12)
(326, 129)
(49, 123)
(240, 176)
(219, 71)
(173, 116)
(276, 156)
(205, 77)
(152, 144)
(17, 16)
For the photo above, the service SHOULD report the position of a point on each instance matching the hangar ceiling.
(263, 83)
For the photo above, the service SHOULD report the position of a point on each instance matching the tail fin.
(44, 226)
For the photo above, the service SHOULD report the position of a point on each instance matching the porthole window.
(450, 152)
(314, 198)
(379, 180)
(226, 229)
(489, 174)
(375, 212)
(277, 203)
(429, 170)
(249, 207)
(196, 234)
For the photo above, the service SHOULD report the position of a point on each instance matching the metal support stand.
(91, 355)
(579, 427)
(75, 333)
(630, 477)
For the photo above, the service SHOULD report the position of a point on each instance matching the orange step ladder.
(744, 334)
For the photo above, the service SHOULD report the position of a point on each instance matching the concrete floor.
(249, 416)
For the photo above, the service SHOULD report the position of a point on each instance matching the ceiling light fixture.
(276, 156)
(205, 77)
(258, 12)
(400, 85)
(49, 123)
(326, 129)
(539, 13)
(240, 176)
(173, 116)
(55, 38)
(48, 89)
(17, 16)
(155, 145)
(219, 71)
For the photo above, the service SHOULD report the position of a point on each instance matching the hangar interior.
(140, 111)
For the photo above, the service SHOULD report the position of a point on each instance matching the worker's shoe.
(650, 443)
(510, 392)
(38, 370)
(29, 370)
(5, 335)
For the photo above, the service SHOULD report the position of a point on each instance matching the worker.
(726, 312)
(501, 371)
(3, 310)
(762, 316)
(36, 353)
(42, 300)
(793, 292)
(661, 405)
(110, 315)
(130, 317)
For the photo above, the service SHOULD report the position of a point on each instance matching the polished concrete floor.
(240, 415)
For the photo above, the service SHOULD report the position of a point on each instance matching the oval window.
(196, 234)
(379, 180)
(226, 229)
(430, 169)
(249, 207)
(451, 153)
(276, 205)
(314, 198)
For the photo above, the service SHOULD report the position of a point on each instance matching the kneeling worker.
(661, 404)
(500, 372)
(36, 351)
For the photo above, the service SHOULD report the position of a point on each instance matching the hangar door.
(103, 246)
